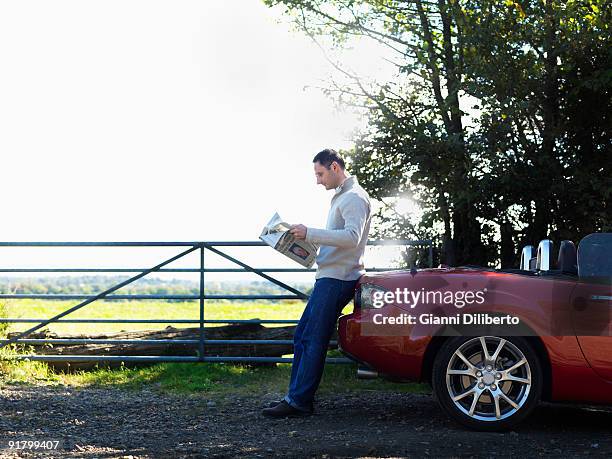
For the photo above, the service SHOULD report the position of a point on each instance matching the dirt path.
(115, 423)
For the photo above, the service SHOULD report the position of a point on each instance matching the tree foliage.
(498, 123)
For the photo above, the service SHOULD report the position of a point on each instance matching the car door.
(592, 309)
(592, 302)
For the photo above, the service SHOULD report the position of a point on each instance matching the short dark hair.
(327, 157)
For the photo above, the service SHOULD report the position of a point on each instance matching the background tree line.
(498, 123)
(91, 285)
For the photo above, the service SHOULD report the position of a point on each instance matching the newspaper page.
(276, 234)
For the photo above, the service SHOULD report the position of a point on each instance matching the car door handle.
(601, 297)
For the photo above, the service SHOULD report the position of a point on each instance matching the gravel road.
(113, 422)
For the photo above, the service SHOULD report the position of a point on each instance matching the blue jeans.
(311, 338)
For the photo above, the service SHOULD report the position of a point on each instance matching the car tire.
(488, 387)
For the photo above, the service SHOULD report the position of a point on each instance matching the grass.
(145, 310)
(210, 379)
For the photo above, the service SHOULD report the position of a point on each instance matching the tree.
(486, 124)
(541, 72)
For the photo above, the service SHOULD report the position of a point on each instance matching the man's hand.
(299, 231)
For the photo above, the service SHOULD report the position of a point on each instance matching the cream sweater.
(342, 243)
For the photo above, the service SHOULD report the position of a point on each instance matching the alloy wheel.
(488, 378)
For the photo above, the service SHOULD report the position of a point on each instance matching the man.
(339, 265)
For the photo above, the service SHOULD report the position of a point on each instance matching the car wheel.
(487, 382)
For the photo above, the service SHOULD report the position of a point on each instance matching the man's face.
(326, 177)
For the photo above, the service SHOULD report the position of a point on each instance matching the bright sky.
(158, 120)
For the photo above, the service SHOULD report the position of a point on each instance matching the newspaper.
(276, 234)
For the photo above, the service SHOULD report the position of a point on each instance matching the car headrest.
(568, 261)
(532, 264)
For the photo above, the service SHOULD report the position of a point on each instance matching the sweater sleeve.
(355, 213)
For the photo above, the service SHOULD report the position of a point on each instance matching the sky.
(160, 121)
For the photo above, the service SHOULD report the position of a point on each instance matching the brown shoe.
(284, 410)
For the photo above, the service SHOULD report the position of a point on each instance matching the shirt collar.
(346, 184)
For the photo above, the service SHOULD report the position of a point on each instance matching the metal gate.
(187, 248)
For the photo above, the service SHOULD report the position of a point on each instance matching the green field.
(145, 310)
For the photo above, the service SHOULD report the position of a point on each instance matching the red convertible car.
(493, 343)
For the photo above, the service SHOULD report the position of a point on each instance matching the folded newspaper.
(276, 234)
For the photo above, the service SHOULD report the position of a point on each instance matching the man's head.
(329, 169)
